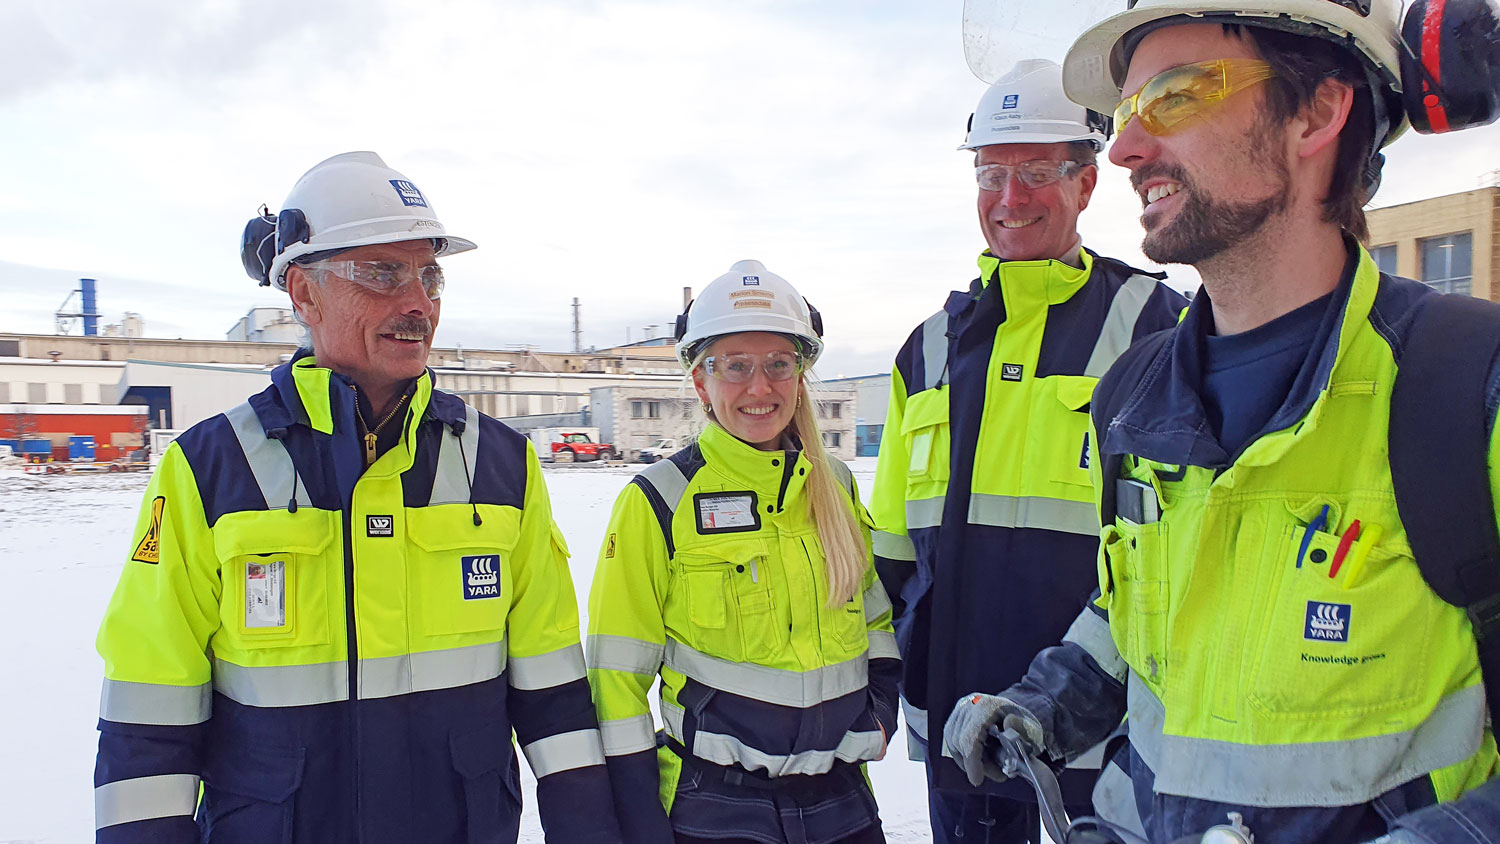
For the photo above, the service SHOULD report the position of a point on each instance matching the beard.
(1205, 227)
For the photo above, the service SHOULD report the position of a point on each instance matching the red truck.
(567, 445)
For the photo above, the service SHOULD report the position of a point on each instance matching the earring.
(708, 409)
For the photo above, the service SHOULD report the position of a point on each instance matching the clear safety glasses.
(386, 277)
(1037, 173)
(1170, 98)
(740, 368)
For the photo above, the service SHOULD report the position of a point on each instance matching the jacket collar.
(323, 400)
(1031, 283)
(775, 476)
(1164, 420)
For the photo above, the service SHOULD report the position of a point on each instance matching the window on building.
(687, 408)
(4, 392)
(36, 393)
(637, 409)
(832, 439)
(836, 409)
(10, 348)
(653, 409)
(1448, 262)
(1385, 257)
(73, 393)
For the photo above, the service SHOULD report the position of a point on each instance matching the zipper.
(788, 459)
(351, 634)
(373, 437)
(817, 609)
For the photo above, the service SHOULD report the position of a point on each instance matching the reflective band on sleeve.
(268, 459)
(934, 349)
(728, 750)
(547, 670)
(1091, 633)
(1010, 511)
(428, 670)
(893, 546)
(145, 798)
(624, 736)
(800, 689)
(1325, 773)
(916, 719)
(282, 685)
(564, 752)
(452, 482)
(924, 512)
(150, 703)
(668, 481)
(876, 602)
(1119, 324)
(622, 653)
(883, 645)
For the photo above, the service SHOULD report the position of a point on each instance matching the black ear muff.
(682, 322)
(291, 227)
(258, 246)
(817, 318)
(1101, 123)
(1450, 67)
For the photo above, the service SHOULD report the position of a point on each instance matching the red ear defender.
(1450, 64)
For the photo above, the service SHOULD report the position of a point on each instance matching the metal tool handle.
(1015, 760)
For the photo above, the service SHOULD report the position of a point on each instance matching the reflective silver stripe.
(282, 685)
(771, 685)
(622, 653)
(269, 461)
(145, 798)
(842, 474)
(422, 672)
(934, 349)
(667, 480)
(924, 512)
(893, 546)
(628, 735)
(883, 645)
(1114, 800)
(1091, 633)
(451, 483)
(1119, 324)
(1011, 511)
(727, 750)
(1328, 773)
(150, 703)
(564, 752)
(916, 719)
(671, 719)
(877, 603)
(547, 670)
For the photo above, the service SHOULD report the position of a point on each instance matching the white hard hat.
(1096, 64)
(349, 200)
(749, 298)
(1028, 106)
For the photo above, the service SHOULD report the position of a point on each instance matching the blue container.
(80, 448)
(42, 447)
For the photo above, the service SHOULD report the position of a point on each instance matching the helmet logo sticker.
(764, 294)
(408, 193)
(1011, 101)
(752, 303)
(751, 280)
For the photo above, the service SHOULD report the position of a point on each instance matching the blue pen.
(1317, 524)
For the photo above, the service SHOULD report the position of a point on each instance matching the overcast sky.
(612, 151)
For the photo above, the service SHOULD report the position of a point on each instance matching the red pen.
(1345, 542)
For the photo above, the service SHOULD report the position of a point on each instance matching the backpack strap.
(1439, 457)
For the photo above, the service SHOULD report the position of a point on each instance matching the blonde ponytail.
(844, 551)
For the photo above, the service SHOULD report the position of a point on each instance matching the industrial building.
(1449, 242)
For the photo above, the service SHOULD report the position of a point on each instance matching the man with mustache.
(1260, 616)
(986, 532)
(344, 595)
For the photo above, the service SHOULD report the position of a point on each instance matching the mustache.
(409, 325)
(1159, 170)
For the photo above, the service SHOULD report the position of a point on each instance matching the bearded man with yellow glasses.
(1261, 616)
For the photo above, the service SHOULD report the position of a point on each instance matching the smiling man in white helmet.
(344, 596)
(987, 536)
(1268, 609)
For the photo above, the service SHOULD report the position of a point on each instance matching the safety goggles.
(386, 277)
(1172, 97)
(740, 368)
(1037, 173)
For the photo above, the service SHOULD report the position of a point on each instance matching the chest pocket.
(1060, 432)
(721, 601)
(276, 569)
(1138, 597)
(924, 425)
(462, 576)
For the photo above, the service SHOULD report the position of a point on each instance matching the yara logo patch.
(1327, 622)
(481, 577)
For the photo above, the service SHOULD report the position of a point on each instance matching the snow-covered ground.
(62, 543)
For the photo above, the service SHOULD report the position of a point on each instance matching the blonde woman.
(739, 572)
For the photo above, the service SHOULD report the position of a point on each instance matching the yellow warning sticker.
(149, 549)
(609, 547)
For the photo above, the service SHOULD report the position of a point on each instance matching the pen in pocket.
(1319, 522)
(1361, 552)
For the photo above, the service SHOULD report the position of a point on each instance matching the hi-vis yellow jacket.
(712, 577)
(339, 654)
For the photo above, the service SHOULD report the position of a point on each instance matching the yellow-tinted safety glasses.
(1174, 96)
